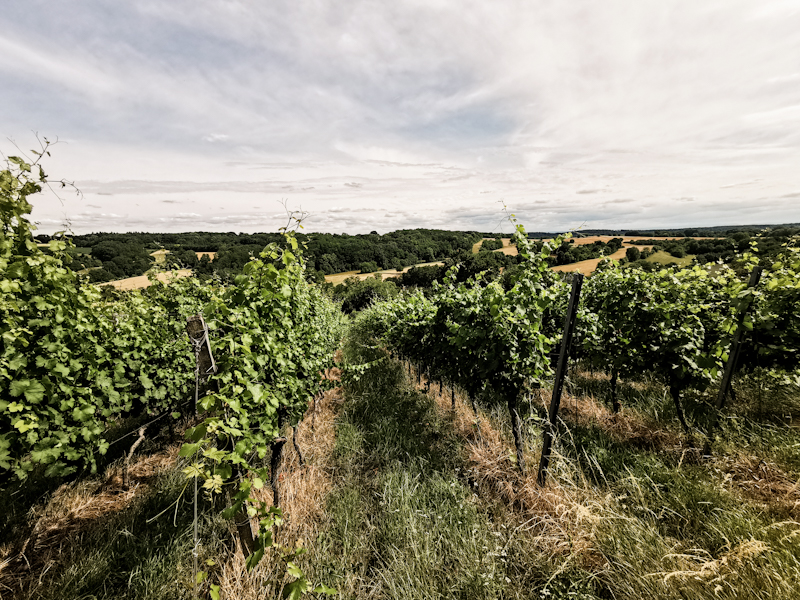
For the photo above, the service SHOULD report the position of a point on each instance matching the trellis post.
(558, 384)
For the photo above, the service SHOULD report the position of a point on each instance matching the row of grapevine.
(673, 324)
(679, 324)
(676, 324)
(484, 338)
(274, 335)
(70, 363)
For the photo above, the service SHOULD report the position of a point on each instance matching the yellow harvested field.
(628, 239)
(337, 278)
(506, 249)
(160, 256)
(137, 283)
(587, 267)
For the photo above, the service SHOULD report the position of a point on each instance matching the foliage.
(326, 253)
(70, 363)
(481, 336)
(665, 321)
(568, 252)
(356, 294)
(491, 245)
(775, 325)
(274, 334)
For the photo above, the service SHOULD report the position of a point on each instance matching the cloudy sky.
(187, 115)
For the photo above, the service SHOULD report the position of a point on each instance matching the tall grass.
(400, 497)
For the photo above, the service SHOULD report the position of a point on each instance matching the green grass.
(403, 520)
(664, 258)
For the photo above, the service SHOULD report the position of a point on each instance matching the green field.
(664, 258)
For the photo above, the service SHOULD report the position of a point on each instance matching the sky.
(200, 115)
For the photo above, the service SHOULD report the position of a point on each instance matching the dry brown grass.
(762, 481)
(626, 426)
(73, 508)
(558, 518)
(303, 490)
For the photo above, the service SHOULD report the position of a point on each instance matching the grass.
(664, 258)
(96, 540)
(402, 523)
(401, 497)
(412, 514)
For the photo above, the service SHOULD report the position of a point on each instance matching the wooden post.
(558, 384)
(516, 429)
(733, 358)
(614, 399)
(197, 330)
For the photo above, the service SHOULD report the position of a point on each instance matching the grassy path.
(424, 506)
(418, 508)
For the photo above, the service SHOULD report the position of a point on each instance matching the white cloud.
(416, 105)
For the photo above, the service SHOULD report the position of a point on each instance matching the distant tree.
(100, 276)
(422, 277)
(369, 267)
(615, 244)
(204, 266)
(328, 263)
(181, 259)
(314, 276)
(491, 245)
(632, 254)
(355, 294)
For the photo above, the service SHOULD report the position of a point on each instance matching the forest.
(110, 256)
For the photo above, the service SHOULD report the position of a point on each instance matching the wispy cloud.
(429, 111)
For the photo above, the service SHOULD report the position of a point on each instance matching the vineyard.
(304, 452)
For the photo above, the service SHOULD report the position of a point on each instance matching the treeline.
(569, 252)
(117, 255)
(765, 245)
(716, 231)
